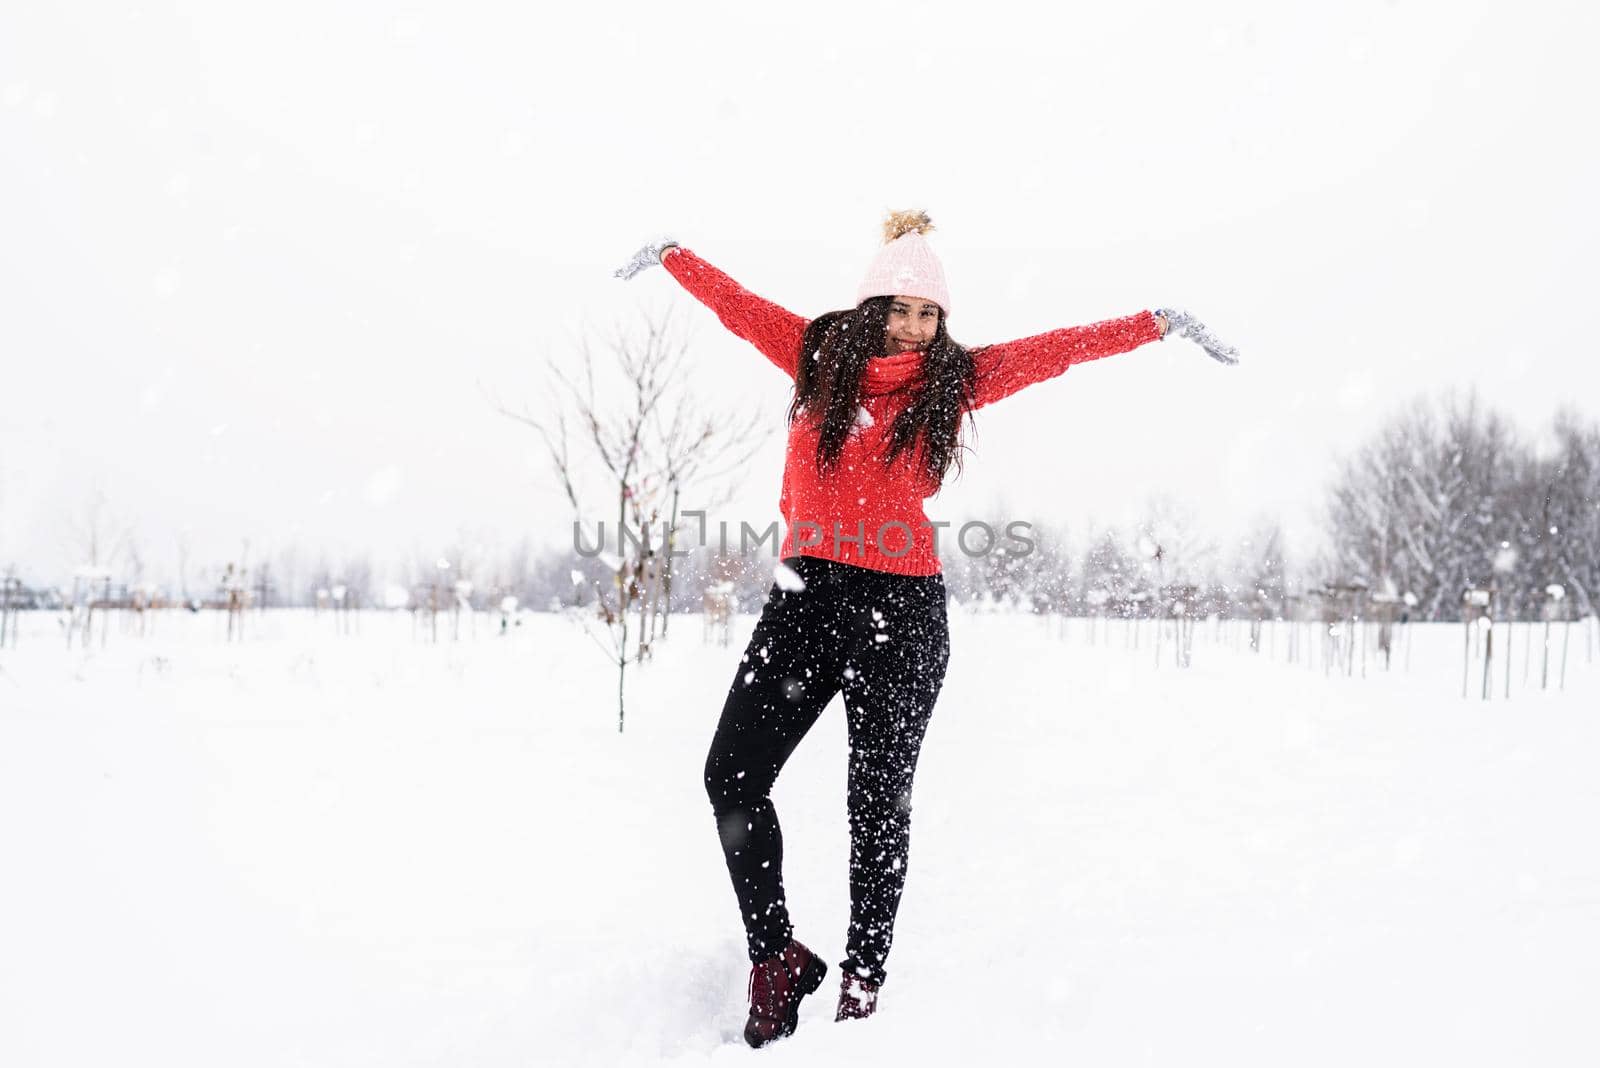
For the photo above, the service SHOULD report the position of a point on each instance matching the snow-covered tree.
(1446, 497)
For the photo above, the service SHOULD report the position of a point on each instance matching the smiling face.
(913, 323)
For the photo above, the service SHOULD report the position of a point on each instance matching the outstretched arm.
(1004, 369)
(1012, 365)
(776, 332)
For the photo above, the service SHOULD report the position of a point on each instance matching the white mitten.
(648, 256)
(1183, 324)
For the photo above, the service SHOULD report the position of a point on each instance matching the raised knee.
(726, 788)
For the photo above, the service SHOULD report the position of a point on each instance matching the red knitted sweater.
(864, 512)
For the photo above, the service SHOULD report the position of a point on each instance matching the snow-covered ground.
(309, 849)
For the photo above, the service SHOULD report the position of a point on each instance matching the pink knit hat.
(906, 265)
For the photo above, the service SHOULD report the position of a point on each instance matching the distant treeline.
(1444, 496)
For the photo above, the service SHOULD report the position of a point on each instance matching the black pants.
(884, 640)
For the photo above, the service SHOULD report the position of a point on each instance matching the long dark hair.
(827, 386)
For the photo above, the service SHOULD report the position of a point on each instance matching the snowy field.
(310, 849)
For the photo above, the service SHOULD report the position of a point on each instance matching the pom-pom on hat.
(906, 265)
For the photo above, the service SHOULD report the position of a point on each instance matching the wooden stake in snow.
(1554, 610)
(1477, 613)
(12, 596)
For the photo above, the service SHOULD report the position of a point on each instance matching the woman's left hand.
(1183, 324)
(648, 256)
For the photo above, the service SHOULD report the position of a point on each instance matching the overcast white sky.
(258, 258)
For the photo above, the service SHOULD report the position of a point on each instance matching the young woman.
(880, 391)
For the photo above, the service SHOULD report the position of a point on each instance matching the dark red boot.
(857, 998)
(776, 986)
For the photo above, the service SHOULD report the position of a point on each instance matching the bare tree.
(635, 420)
(1256, 582)
(185, 544)
(1173, 547)
(98, 534)
(1110, 579)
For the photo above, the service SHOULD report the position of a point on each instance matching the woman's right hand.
(648, 256)
(1181, 324)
